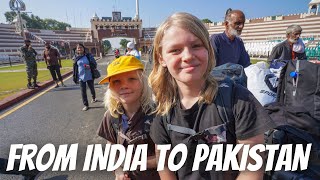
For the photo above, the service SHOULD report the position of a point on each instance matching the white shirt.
(134, 52)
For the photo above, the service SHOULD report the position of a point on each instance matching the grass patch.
(13, 82)
(254, 61)
(41, 65)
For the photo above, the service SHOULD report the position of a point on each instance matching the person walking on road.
(52, 58)
(29, 56)
(132, 51)
(83, 65)
(127, 121)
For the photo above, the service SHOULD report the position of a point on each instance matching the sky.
(152, 12)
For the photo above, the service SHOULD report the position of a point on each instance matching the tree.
(10, 15)
(36, 22)
(123, 43)
(206, 21)
(106, 46)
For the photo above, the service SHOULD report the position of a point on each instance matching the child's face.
(184, 55)
(80, 49)
(127, 87)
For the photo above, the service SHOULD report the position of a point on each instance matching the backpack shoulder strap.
(224, 103)
(115, 123)
(224, 100)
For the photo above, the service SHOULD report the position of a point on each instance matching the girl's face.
(184, 55)
(80, 50)
(127, 87)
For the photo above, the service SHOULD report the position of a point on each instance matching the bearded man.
(228, 46)
(290, 49)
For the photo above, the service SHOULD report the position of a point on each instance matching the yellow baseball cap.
(121, 65)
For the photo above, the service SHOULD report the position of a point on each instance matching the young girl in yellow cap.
(127, 120)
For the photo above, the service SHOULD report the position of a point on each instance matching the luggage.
(297, 115)
(299, 94)
(262, 83)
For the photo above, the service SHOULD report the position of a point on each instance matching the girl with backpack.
(83, 67)
(129, 115)
(188, 98)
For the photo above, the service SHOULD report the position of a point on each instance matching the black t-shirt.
(250, 120)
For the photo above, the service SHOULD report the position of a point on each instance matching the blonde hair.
(162, 83)
(115, 107)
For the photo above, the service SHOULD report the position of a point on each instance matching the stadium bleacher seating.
(260, 35)
(11, 41)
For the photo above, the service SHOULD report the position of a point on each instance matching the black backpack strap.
(224, 103)
(92, 65)
(115, 123)
(180, 129)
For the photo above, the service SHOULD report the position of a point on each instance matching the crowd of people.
(179, 96)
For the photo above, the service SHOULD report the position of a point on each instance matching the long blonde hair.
(115, 107)
(162, 83)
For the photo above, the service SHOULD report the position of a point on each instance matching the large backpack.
(298, 97)
(297, 115)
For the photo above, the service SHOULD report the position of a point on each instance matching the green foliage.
(10, 15)
(36, 22)
(206, 21)
(106, 46)
(123, 43)
(41, 65)
(254, 61)
(54, 24)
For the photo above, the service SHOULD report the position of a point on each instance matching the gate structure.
(116, 26)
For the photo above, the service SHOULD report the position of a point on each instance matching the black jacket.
(283, 51)
(93, 65)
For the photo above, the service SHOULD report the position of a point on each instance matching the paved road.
(56, 117)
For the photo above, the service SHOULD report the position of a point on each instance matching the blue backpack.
(234, 72)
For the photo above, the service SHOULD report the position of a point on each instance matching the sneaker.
(93, 100)
(85, 108)
(57, 86)
(29, 86)
(35, 85)
(63, 85)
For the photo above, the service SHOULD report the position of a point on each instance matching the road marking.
(29, 100)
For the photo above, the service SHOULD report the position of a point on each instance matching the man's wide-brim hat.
(121, 65)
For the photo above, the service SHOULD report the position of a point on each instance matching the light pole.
(21, 26)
